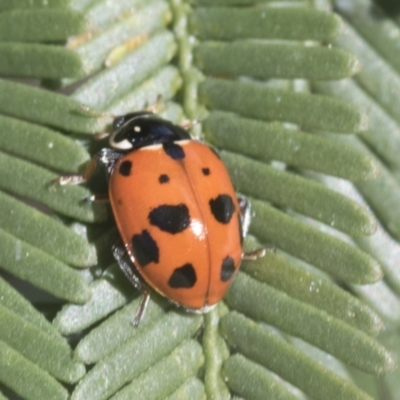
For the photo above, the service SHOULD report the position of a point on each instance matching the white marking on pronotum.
(159, 146)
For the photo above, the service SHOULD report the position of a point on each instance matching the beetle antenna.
(157, 106)
(95, 113)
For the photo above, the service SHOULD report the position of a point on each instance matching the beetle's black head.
(144, 128)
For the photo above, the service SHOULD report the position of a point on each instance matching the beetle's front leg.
(106, 157)
(77, 179)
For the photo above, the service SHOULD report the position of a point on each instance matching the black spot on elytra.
(183, 277)
(227, 269)
(125, 168)
(222, 207)
(145, 248)
(205, 171)
(175, 151)
(163, 178)
(170, 218)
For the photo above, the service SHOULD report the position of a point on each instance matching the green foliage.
(273, 352)
(265, 141)
(246, 23)
(316, 157)
(55, 25)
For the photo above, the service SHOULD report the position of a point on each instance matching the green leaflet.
(48, 108)
(116, 330)
(131, 46)
(383, 192)
(299, 194)
(377, 77)
(262, 102)
(132, 70)
(16, 303)
(292, 277)
(272, 141)
(215, 351)
(100, 15)
(391, 382)
(41, 145)
(175, 369)
(99, 48)
(26, 378)
(51, 353)
(41, 270)
(382, 246)
(301, 240)
(383, 133)
(382, 298)
(274, 23)
(36, 60)
(25, 179)
(151, 345)
(298, 319)
(372, 23)
(106, 296)
(251, 381)
(276, 354)
(55, 25)
(165, 82)
(282, 61)
(192, 389)
(45, 233)
(12, 4)
(235, 2)
(383, 195)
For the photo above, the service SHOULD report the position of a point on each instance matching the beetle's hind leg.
(119, 253)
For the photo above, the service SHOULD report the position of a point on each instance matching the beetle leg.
(97, 198)
(142, 308)
(77, 179)
(119, 252)
(245, 214)
(106, 157)
(187, 123)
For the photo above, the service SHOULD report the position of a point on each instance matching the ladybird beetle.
(179, 219)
